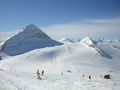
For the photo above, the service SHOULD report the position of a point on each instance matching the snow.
(30, 38)
(66, 40)
(86, 41)
(19, 72)
(6, 35)
(64, 65)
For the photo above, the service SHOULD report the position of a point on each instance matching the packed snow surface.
(64, 67)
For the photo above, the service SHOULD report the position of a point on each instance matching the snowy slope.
(68, 53)
(30, 38)
(64, 64)
(77, 58)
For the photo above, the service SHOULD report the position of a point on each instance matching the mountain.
(86, 41)
(30, 38)
(89, 43)
(6, 35)
(66, 40)
(64, 67)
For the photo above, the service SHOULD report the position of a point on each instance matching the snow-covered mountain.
(66, 40)
(86, 41)
(30, 38)
(19, 72)
(64, 64)
(6, 35)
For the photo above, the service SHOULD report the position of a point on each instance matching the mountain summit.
(30, 38)
(87, 41)
(33, 31)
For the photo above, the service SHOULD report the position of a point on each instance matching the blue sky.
(16, 14)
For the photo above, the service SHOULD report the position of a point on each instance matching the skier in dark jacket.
(38, 75)
(89, 77)
(42, 72)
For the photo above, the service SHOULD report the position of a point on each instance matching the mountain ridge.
(30, 38)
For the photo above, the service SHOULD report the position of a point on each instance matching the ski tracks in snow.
(67, 81)
(10, 81)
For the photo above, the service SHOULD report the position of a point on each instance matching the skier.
(89, 77)
(42, 72)
(38, 74)
(61, 73)
(83, 75)
(107, 76)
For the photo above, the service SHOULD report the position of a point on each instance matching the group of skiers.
(88, 76)
(107, 76)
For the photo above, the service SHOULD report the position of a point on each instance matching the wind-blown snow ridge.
(30, 38)
(66, 40)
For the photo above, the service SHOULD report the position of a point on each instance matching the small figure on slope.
(107, 76)
(42, 72)
(83, 75)
(38, 75)
(89, 77)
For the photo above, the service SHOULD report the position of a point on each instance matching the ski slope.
(64, 63)
(19, 72)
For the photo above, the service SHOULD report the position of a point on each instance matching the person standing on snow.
(38, 75)
(42, 72)
(89, 77)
